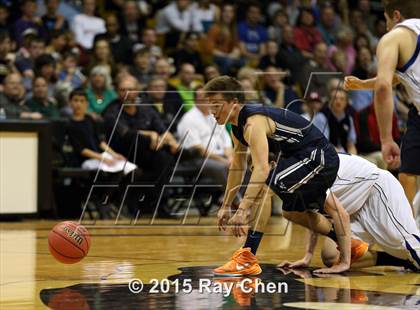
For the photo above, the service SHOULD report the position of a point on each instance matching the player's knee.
(406, 178)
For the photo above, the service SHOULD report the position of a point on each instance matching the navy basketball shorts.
(410, 145)
(302, 181)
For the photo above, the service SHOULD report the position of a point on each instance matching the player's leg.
(386, 217)
(410, 153)
(409, 183)
(244, 261)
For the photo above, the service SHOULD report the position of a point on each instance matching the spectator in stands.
(307, 36)
(86, 25)
(251, 94)
(175, 18)
(318, 66)
(4, 19)
(328, 24)
(345, 45)
(132, 21)
(222, 41)
(45, 66)
(141, 68)
(312, 106)
(252, 36)
(364, 64)
(12, 99)
(148, 40)
(121, 45)
(361, 40)
(199, 131)
(185, 86)
(210, 72)
(167, 103)
(136, 118)
(57, 45)
(189, 52)
(207, 13)
(289, 56)
(138, 131)
(337, 124)
(102, 55)
(275, 30)
(70, 72)
(40, 101)
(365, 69)
(279, 94)
(339, 62)
(85, 135)
(164, 69)
(52, 21)
(6, 60)
(29, 20)
(99, 91)
(25, 63)
(271, 58)
(368, 142)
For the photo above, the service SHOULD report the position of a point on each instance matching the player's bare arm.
(257, 129)
(354, 83)
(311, 242)
(235, 176)
(388, 55)
(341, 222)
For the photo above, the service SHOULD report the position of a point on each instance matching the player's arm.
(256, 130)
(341, 222)
(312, 239)
(234, 181)
(354, 83)
(387, 54)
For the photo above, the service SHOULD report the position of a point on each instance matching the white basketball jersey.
(355, 178)
(409, 74)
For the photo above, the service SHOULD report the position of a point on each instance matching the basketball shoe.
(242, 263)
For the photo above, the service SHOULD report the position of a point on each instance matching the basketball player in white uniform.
(379, 214)
(398, 54)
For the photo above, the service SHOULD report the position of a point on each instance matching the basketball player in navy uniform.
(306, 166)
(398, 55)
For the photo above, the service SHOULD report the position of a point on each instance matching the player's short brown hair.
(407, 8)
(228, 86)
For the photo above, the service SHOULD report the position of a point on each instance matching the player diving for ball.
(306, 167)
(379, 214)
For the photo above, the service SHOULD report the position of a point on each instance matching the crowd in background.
(157, 54)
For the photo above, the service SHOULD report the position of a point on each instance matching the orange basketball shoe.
(242, 263)
(358, 249)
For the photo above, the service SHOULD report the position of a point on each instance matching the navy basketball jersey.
(292, 135)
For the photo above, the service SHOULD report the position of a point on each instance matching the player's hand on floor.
(223, 216)
(341, 267)
(301, 263)
(239, 221)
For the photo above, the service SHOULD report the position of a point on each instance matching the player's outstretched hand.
(391, 154)
(339, 268)
(239, 221)
(301, 263)
(223, 216)
(353, 83)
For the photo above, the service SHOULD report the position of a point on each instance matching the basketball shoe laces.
(243, 257)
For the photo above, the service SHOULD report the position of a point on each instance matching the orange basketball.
(68, 242)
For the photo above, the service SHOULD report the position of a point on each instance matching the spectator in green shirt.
(99, 92)
(40, 101)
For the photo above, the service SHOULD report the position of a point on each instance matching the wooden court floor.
(31, 279)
